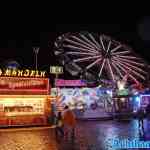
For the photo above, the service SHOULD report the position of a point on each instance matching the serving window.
(15, 106)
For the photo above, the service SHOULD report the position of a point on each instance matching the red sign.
(61, 82)
(16, 85)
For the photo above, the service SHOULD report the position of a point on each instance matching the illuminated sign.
(56, 70)
(61, 82)
(123, 92)
(15, 85)
(22, 73)
(144, 100)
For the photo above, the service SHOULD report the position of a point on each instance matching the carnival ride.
(100, 56)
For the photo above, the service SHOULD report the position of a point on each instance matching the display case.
(23, 110)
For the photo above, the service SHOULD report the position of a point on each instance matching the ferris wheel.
(100, 55)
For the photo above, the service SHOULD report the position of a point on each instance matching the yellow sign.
(56, 70)
(22, 73)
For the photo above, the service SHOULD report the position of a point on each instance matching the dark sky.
(17, 45)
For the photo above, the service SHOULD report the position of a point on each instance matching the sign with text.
(56, 69)
(15, 85)
(61, 82)
(22, 73)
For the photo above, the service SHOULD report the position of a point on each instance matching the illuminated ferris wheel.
(100, 55)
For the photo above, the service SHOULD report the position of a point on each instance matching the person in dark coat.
(141, 115)
(69, 120)
(59, 125)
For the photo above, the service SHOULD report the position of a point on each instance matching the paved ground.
(91, 135)
(41, 139)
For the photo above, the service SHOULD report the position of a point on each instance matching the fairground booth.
(87, 101)
(24, 97)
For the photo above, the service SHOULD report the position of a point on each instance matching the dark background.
(17, 44)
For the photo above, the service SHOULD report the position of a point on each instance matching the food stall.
(24, 98)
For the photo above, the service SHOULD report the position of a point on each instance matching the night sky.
(17, 45)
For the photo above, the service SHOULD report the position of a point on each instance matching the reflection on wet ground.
(90, 135)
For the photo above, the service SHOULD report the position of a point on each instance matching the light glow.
(22, 105)
(15, 84)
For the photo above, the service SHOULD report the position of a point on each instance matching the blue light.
(137, 98)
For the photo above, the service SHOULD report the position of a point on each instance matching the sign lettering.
(61, 82)
(16, 85)
(56, 69)
(22, 73)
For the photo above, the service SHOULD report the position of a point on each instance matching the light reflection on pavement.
(90, 135)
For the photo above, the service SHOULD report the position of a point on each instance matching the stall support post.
(54, 108)
(56, 77)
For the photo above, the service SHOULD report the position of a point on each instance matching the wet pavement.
(90, 135)
(40, 139)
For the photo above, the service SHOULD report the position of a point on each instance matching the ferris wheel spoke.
(123, 52)
(95, 62)
(108, 46)
(85, 59)
(79, 53)
(82, 49)
(129, 65)
(83, 42)
(129, 57)
(125, 71)
(98, 45)
(135, 80)
(130, 61)
(100, 72)
(101, 40)
(86, 39)
(136, 73)
(117, 70)
(110, 69)
(82, 45)
(116, 48)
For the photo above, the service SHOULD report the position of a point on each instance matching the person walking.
(69, 120)
(141, 115)
(59, 125)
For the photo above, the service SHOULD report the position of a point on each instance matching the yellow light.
(1, 72)
(32, 73)
(14, 73)
(43, 73)
(8, 72)
(20, 73)
(27, 72)
(37, 73)
(121, 85)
